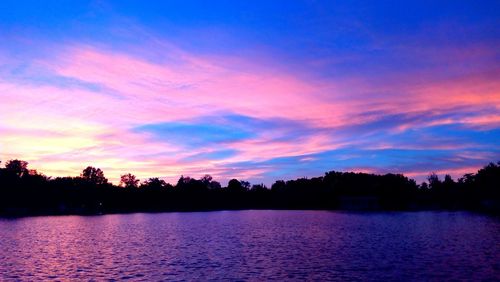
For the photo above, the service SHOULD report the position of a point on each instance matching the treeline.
(26, 192)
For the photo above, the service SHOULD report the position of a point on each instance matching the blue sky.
(257, 90)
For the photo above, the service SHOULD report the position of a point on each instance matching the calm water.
(252, 245)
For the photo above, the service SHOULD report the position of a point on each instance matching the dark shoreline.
(25, 192)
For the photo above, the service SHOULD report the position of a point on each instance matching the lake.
(252, 245)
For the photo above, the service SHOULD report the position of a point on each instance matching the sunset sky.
(255, 90)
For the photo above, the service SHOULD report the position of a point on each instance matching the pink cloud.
(74, 126)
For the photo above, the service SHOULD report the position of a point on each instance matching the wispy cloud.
(155, 108)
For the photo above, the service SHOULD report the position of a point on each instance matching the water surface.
(252, 245)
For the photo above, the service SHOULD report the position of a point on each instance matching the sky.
(253, 90)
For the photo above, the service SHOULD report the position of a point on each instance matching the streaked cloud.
(129, 97)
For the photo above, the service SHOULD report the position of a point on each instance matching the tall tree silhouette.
(94, 176)
(129, 181)
(234, 185)
(17, 167)
(434, 182)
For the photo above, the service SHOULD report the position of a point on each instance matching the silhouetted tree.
(487, 181)
(434, 182)
(17, 167)
(129, 181)
(259, 187)
(154, 183)
(206, 179)
(183, 181)
(234, 185)
(245, 185)
(189, 184)
(448, 182)
(94, 176)
(468, 179)
(279, 185)
(424, 186)
(214, 185)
